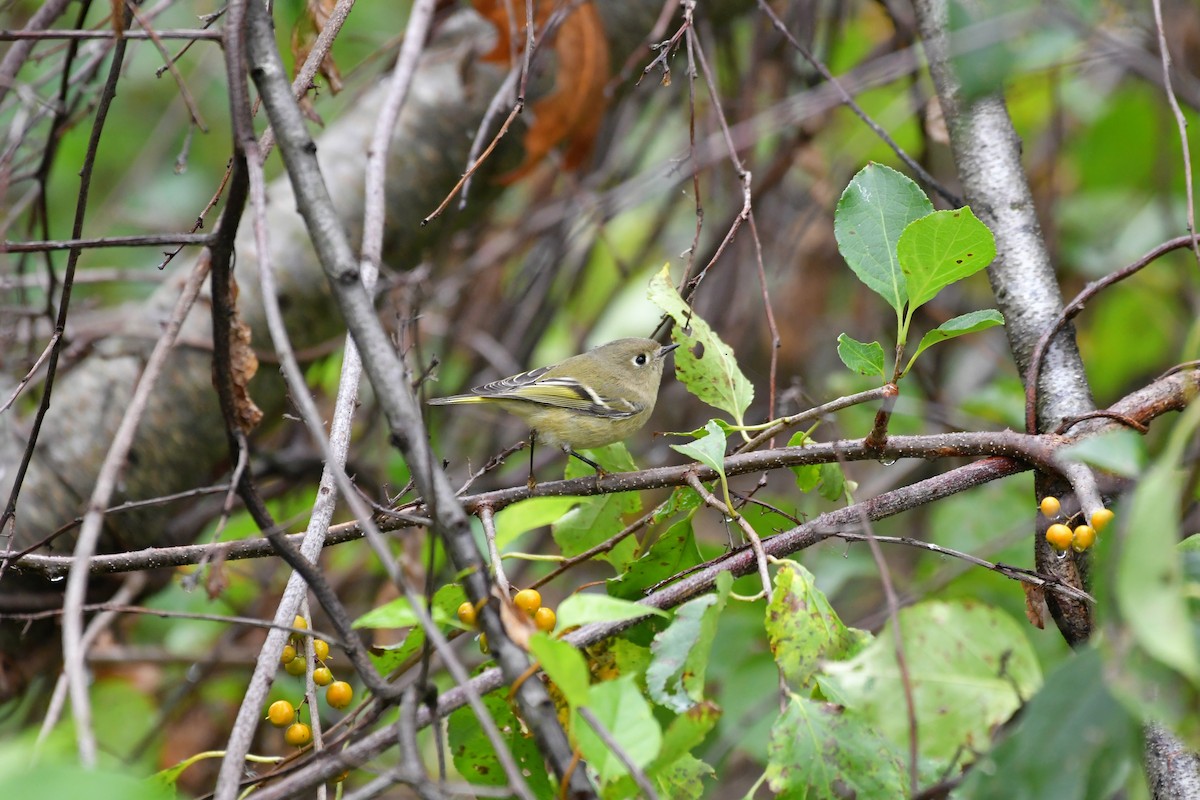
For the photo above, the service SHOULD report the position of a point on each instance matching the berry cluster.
(527, 600)
(281, 713)
(1061, 536)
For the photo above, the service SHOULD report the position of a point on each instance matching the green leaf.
(819, 753)
(675, 677)
(389, 657)
(704, 363)
(708, 450)
(970, 667)
(399, 614)
(683, 498)
(52, 778)
(939, 249)
(1073, 741)
(596, 519)
(527, 515)
(685, 732)
(863, 358)
(674, 551)
(1149, 581)
(960, 325)
(807, 475)
(564, 665)
(580, 609)
(620, 707)
(683, 779)
(803, 629)
(1121, 452)
(876, 207)
(473, 753)
(833, 482)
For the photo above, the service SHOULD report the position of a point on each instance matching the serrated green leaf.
(872, 212)
(803, 629)
(819, 753)
(969, 667)
(580, 609)
(959, 326)
(704, 363)
(863, 358)
(941, 248)
(709, 450)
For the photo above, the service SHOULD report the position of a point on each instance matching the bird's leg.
(600, 473)
(531, 482)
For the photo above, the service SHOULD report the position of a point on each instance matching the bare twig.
(1180, 122)
(605, 735)
(488, 518)
(1071, 309)
(760, 556)
(93, 520)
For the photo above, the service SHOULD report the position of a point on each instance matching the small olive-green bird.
(589, 400)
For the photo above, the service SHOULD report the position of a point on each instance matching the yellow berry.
(288, 655)
(320, 649)
(1050, 506)
(300, 622)
(528, 600)
(281, 713)
(298, 734)
(322, 676)
(1085, 537)
(1101, 518)
(545, 619)
(467, 614)
(1059, 536)
(483, 645)
(295, 667)
(339, 694)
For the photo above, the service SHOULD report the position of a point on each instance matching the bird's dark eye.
(640, 359)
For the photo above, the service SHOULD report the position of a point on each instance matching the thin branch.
(145, 240)
(639, 777)
(488, 518)
(74, 649)
(1071, 309)
(893, 610)
(1180, 122)
(922, 174)
(760, 556)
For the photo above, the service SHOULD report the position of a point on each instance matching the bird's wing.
(559, 392)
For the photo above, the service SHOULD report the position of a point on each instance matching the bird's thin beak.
(662, 351)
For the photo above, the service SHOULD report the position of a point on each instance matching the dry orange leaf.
(571, 114)
(243, 366)
(304, 36)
